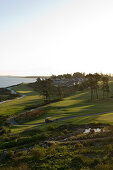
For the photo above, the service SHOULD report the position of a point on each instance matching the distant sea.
(6, 81)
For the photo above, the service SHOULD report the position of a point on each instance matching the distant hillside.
(37, 77)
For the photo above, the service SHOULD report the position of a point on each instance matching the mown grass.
(80, 104)
(77, 104)
(32, 98)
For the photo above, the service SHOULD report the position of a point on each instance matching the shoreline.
(14, 81)
(11, 86)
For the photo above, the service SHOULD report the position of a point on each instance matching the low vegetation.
(29, 116)
(62, 147)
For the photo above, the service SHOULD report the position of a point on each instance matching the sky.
(45, 37)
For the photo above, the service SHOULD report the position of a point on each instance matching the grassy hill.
(75, 105)
(61, 144)
(79, 104)
(31, 98)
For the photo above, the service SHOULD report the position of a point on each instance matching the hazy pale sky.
(45, 37)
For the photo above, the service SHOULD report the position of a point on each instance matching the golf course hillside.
(62, 128)
(70, 108)
(56, 85)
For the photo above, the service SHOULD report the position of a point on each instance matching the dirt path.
(13, 122)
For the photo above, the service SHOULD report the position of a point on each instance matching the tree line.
(69, 76)
(96, 82)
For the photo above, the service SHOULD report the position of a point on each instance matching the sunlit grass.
(79, 104)
(19, 105)
(74, 105)
(106, 118)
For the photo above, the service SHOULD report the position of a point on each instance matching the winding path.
(13, 122)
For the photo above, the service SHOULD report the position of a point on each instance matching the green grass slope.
(74, 105)
(31, 98)
(80, 104)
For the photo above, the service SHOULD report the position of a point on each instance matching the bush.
(104, 167)
(50, 128)
(10, 154)
(43, 136)
(95, 163)
(37, 153)
(27, 116)
(3, 130)
(22, 166)
(78, 145)
(66, 131)
(109, 148)
(77, 162)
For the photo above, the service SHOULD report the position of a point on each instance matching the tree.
(92, 81)
(68, 76)
(60, 93)
(44, 87)
(79, 75)
(97, 78)
(105, 85)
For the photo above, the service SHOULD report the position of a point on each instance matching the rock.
(47, 143)
(50, 143)
(65, 139)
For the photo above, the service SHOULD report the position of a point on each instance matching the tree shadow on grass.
(82, 109)
(30, 102)
(80, 104)
(81, 95)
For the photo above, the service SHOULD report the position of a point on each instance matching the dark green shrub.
(43, 136)
(95, 163)
(10, 154)
(3, 130)
(104, 167)
(22, 166)
(50, 128)
(77, 162)
(37, 153)
(78, 145)
(66, 131)
(109, 148)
